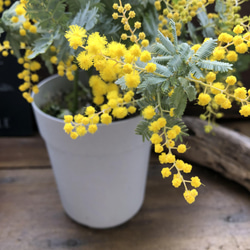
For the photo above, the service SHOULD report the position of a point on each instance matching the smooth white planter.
(101, 178)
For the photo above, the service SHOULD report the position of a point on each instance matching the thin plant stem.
(75, 98)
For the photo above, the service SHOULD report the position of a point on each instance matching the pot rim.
(37, 109)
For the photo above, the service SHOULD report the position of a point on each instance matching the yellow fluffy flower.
(232, 56)
(204, 99)
(75, 36)
(84, 60)
(95, 43)
(165, 172)
(150, 67)
(149, 112)
(238, 29)
(245, 110)
(132, 80)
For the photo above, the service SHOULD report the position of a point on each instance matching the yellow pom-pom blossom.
(170, 158)
(165, 172)
(68, 118)
(195, 181)
(132, 80)
(163, 158)
(245, 110)
(177, 180)
(237, 40)
(98, 99)
(115, 15)
(81, 130)
(241, 48)
(181, 148)
(180, 164)
(150, 67)
(210, 77)
(226, 38)
(35, 89)
(77, 118)
(127, 68)
(33, 29)
(132, 109)
(120, 112)
(135, 50)
(90, 110)
(149, 112)
(116, 50)
(92, 128)
(68, 127)
(232, 56)
(231, 80)
(145, 42)
(219, 53)
(158, 148)
(106, 119)
(84, 60)
(73, 135)
(161, 122)
(145, 56)
(238, 29)
(155, 138)
(154, 127)
(20, 9)
(204, 99)
(110, 71)
(187, 168)
(171, 134)
(22, 32)
(240, 93)
(14, 19)
(189, 196)
(75, 36)
(220, 98)
(99, 87)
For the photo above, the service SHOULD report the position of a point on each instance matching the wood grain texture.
(19, 152)
(224, 150)
(32, 218)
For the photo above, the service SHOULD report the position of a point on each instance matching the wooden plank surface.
(16, 152)
(32, 218)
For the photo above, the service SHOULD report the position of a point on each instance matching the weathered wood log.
(223, 150)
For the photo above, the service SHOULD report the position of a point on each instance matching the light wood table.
(32, 218)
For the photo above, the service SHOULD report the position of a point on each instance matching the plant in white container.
(192, 56)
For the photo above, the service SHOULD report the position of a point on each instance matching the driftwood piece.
(224, 150)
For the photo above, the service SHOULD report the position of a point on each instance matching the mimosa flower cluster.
(218, 94)
(182, 12)
(113, 61)
(28, 28)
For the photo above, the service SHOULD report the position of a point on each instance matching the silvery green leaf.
(121, 82)
(167, 43)
(178, 101)
(188, 88)
(206, 49)
(159, 49)
(41, 45)
(173, 30)
(214, 65)
(162, 59)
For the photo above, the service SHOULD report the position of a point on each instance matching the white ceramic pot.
(101, 178)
